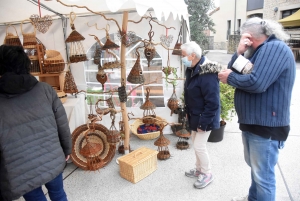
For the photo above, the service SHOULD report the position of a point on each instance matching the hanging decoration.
(109, 44)
(97, 55)
(122, 92)
(101, 77)
(177, 47)
(121, 149)
(110, 60)
(113, 135)
(101, 111)
(29, 39)
(70, 85)
(136, 74)
(76, 50)
(166, 39)
(10, 38)
(91, 115)
(128, 39)
(183, 135)
(90, 149)
(162, 142)
(149, 50)
(42, 24)
(148, 107)
(173, 101)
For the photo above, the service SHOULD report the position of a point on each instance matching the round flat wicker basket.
(146, 136)
(98, 136)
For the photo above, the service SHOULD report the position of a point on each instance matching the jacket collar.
(196, 69)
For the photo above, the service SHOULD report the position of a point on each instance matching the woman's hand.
(67, 157)
(245, 43)
(199, 130)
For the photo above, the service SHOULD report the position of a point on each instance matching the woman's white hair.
(192, 47)
(258, 27)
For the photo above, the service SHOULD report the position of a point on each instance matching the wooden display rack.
(56, 80)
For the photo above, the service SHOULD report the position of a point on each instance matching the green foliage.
(170, 75)
(199, 20)
(227, 101)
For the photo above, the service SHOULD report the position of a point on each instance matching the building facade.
(231, 14)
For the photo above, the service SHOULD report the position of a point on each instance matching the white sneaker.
(245, 198)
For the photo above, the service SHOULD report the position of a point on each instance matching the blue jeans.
(261, 155)
(55, 190)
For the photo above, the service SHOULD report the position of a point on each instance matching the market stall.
(95, 23)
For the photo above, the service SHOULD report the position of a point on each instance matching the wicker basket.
(138, 164)
(145, 136)
(98, 136)
(11, 39)
(54, 63)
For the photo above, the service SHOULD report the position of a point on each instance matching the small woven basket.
(11, 39)
(54, 63)
(29, 39)
(145, 136)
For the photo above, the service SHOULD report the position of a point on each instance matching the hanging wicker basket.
(173, 102)
(29, 39)
(111, 64)
(11, 39)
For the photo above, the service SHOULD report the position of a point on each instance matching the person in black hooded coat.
(35, 138)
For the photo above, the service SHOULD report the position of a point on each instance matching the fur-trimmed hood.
(210, 67)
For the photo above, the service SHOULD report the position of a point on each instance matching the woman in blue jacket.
(202, 105)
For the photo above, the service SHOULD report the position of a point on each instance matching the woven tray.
(138, 164)
(99, 136)
(146, 136)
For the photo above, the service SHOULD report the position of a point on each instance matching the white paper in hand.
(242, 65)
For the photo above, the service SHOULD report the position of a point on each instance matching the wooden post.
(123, 78)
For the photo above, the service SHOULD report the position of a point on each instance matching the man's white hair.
(192, 47)
(258, 27)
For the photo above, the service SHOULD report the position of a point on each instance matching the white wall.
(225, 13)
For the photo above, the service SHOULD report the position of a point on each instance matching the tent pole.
(123, 79)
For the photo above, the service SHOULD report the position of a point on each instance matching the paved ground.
(168, 183)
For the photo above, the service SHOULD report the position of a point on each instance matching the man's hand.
(223, 75)
(245, 43)
(67, 157)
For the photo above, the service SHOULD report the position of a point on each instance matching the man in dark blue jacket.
(202, 105)
(262, 100)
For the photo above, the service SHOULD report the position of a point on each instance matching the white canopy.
(18, 10)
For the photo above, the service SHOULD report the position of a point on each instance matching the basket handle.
(30, 23)
(137, 153)
(10, 25)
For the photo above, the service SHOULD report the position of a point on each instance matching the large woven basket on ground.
(146, 136)
(54, 63)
